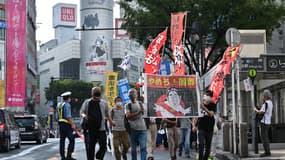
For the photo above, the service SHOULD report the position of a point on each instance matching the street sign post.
(252, 74)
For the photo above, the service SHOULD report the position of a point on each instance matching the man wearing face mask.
(138, 134)
(95, 110)
(120, 135)
(205, 125)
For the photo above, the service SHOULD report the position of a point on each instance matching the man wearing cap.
(66, 126)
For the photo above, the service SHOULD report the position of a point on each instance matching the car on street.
(9, 131)
(31, 128)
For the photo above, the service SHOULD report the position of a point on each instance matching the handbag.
(84, 123)
(259, 117)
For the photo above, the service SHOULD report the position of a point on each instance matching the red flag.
(152, 57)
(217, 83)
(176, 32)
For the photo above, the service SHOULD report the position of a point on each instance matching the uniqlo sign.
(67, 14)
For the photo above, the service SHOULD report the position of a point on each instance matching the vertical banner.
(16, 53)
(111, 88)
(124, 87)
(223, 69)
(171, 96)
(176, 32)
(152, 56)
(2, 93)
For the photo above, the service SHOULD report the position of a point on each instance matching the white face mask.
(119, 104)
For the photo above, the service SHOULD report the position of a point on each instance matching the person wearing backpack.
(95, 111)
(66, 126)
(120, 135)
(138, 133)
(265, 122)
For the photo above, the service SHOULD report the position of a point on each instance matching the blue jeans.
(184, 140)
(138, 137)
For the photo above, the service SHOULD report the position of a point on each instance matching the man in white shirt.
(265, 122)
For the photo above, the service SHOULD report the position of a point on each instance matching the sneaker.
(265, 154)
(70, 158)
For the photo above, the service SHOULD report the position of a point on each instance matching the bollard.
(226, 136)
(243, 140)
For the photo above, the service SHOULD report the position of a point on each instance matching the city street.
(49, 151)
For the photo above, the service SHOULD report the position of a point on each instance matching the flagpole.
(164, 44)
(185, 22)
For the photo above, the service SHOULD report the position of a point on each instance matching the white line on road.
(27, 151)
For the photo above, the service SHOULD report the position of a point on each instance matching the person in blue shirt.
(66, 126)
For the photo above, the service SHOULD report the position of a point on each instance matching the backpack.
(94, 115)
(126, 121)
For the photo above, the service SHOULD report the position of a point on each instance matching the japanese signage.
(111, 87)
(275, 63)
(176, 32)
(67, 14)
(152, 56)
(247, 63)
(124, 87)
(171, 96)
(96, 67)
(16, 53)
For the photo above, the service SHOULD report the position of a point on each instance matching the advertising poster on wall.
(171, 96)
(16, 54)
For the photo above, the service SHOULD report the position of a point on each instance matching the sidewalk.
(277, 153)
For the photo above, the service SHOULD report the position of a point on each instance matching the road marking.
(29, 150)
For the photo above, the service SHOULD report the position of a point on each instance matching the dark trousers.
(65, 131)
(205, 139)
(91, 138)
(265, 137)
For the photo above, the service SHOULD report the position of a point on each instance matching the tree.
(80, 91)
(144, 19)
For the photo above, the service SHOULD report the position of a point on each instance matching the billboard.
(120, 33)
(16, 53)
(171, 96)
(64, 15)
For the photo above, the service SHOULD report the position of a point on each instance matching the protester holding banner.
(205, 125)
(138, 134)
(151, 126)
(120, 135)
(172, 136)
(184, 136)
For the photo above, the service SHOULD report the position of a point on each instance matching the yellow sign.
(2, 93)
(111, 90)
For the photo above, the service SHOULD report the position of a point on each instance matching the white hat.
(68, 93)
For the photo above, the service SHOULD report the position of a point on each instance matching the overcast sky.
(45, 32)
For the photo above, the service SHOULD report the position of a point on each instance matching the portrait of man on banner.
(171, 96)
(171, 104)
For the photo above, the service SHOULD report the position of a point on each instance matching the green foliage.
(145, 19)
(80, 91)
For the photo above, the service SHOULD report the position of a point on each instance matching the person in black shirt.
(205, 125)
